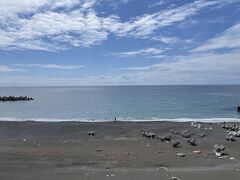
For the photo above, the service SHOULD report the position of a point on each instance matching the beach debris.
(196, 125)
(224, 125)
(232, 158)
(192, 142)
(235, 127)
(234, 133)
(175, 143)
(38, 143)
(151, 135)
(24, 140)
(223, 157)
(186, 134)
(202, 135)
(231, 126)
(175, 178)
(197, 152)
(165, 138)
(218, 150)
(175, 132)
(163, 168)
(112, 175)
(99, 150)
(91, 133)
(180, 154)
(230, 138)
(148, 134)
(108, 166)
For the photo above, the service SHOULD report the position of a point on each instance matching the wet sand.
(64, 151)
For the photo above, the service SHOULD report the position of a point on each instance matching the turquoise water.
(128, 103)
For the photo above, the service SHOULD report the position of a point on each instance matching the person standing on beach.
(115, 119)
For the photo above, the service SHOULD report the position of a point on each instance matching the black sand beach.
(65, 151)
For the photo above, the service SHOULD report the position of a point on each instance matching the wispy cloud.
(165, 39)
(141, 52)
(62, 24)
(157, 4)
(228, 39)
(5, 69)
(51, 66)
(145, 25)
(192, 69)
(207, 68)
(197, 63)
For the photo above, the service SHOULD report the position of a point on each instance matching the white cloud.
(5, 69)
(60, 24)
(37, 25)
(145, 25)
(51, 66)
(141, 52)
(228, 39)
(164, 39)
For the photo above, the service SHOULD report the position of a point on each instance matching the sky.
(119, 42)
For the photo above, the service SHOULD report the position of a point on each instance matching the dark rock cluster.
(192, 142)
(202, 135)
(14, 98)
(186, 134)
(233, 130)
(175, 143)
(164, 138)
(193, 137)
(169, 138)
(148, 134)
(231, 126)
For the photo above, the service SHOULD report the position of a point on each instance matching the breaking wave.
(124, 120)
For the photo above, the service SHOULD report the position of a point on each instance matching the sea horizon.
(36, 86)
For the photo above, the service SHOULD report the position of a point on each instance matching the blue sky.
(119, 42)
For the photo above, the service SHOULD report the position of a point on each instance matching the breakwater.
(14, 98)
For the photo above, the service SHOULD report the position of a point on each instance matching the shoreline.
(86, 120)
(117, 150)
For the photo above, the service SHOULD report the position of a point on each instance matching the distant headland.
(14, 98)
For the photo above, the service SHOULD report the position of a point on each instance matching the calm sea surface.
(130, 103)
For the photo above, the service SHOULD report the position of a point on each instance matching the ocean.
(205, 103)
